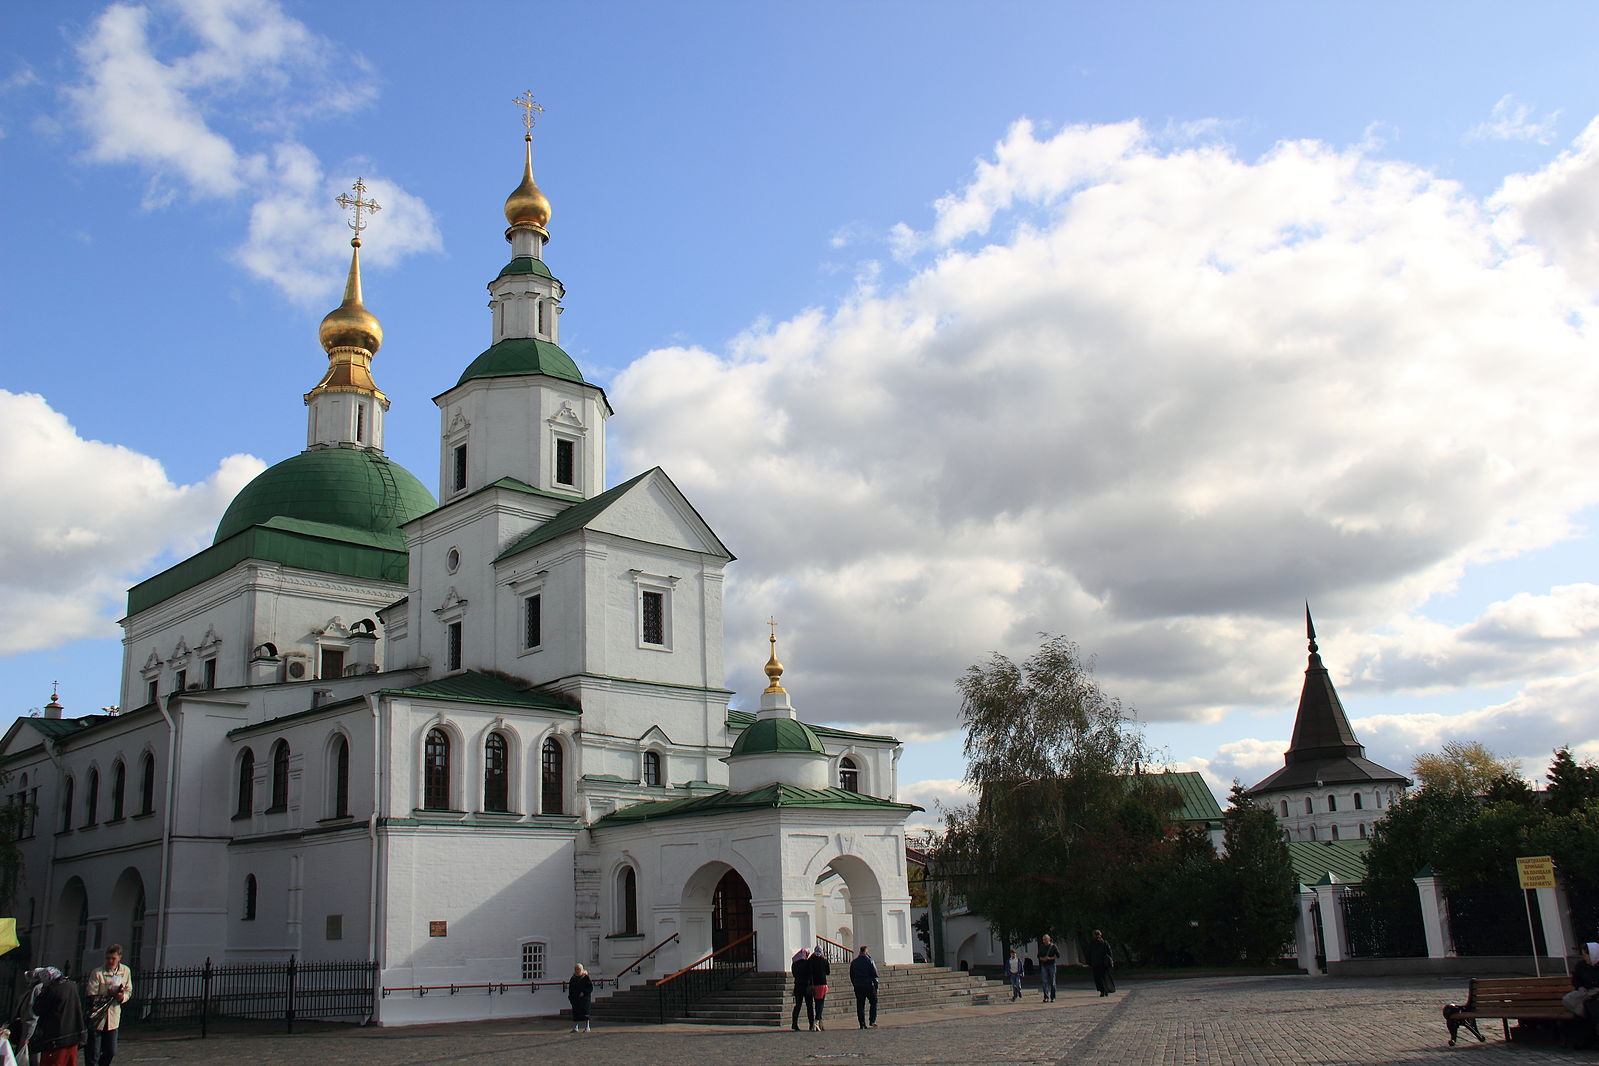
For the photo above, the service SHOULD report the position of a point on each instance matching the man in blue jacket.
(863, 975)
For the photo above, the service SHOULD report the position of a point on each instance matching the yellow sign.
(1536, 871)
(8, 935)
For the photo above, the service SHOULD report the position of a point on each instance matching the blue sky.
(1141, 323)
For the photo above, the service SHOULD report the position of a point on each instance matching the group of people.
(811, 969)
(52, 1018)
(1100, 962)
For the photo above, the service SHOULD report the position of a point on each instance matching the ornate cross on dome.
(525, 102)
(357, 205)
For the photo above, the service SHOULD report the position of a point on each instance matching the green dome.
(523, 355)
(778, 736)
(348, 487)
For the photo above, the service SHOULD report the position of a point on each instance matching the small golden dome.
(527, 206)
(351, 325)
(774, 670)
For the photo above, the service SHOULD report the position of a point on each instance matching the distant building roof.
(1313, 860)
(765, 797)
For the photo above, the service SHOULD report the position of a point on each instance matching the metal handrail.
(713, 973)
(623, 971)
(840, 954)
(492, 987)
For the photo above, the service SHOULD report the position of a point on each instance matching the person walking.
(580, 993)
(820, 968)
(800, 967)
(1048, 956)
(1013, 974)
(60, 1028)
(24, 1019)
(863, 976)
(108, 988)
(1101, 962)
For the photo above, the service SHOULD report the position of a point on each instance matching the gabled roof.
(475, 686)
(1196, 802)
(1313, 860)
(585, 514)
(764, 798)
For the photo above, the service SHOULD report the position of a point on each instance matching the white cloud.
(1556, 209)
(255, 72)
(1172, 385)
(1511, 120)
(67, 558)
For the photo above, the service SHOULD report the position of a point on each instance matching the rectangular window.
(152, 690)
(565, 462)
(360, 423)
(335, 929)
(533, 962)
(533, 622)
(652, 607)
(332, 662)
(210, 673)
(182, 681)
(1357, 801)
(453, 654)
(459, 455)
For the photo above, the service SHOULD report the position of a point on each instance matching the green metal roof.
(771, 736)
(1314, 859)
(349, 487)
(526, 264)
(518, 356)
(572, 519)
(737, 719)
(764, 798)
(327, 549)
(1196, 802)
(478, 687)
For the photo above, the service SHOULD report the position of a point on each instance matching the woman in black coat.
(820, 968)
(801, 969)
(580, 993)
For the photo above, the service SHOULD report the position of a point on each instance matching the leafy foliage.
(1258, 887)
(1464, 766)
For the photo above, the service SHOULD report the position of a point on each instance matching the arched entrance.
(849, 899)
(732, 917)
(127, 916)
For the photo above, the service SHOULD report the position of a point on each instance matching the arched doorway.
(127, 916)
(70, 928)
(850, 897)
(732, 917)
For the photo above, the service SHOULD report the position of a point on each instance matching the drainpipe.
(166, 829)
(378, 753)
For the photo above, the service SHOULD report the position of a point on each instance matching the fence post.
(205, 996)
(1304, 931)
(1434, 913)
(288, 1007)
(1330, 894)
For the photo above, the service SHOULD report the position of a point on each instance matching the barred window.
(496, 774)
(453, 653)
(652, 768)
(553, 783)
(653, 606)
(849, 775)
(436, 771)
(565, 462)
(533, 961)
(533, 621)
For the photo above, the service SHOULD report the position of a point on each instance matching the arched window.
(119, 785)
(627, 901)
(1285, 808)
(246, 802)
(91, 798)
(553, 790)
(66, 806)
(496, 773)
(1332, 803)
(1358, 803)
(436, 771)
(249, 898)
(136, 929)
(849, 775)
(147, 784)
(280, 776)
(1335, 832)
(83, 932)
(1313, 832)
(1362, 830)
(341, 777)
(652, 768)
(1310, 806)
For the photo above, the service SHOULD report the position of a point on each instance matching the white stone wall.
(509, 426)
(1330, 812)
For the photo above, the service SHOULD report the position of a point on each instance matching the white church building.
(475, 737)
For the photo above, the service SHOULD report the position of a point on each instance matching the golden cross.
(773, 624)
(525, 102)
(358, 205)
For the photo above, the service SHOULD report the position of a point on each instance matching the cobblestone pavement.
(1239, 1021)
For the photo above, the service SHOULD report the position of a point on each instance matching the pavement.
(1229, 1021)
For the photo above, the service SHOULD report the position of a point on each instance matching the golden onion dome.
(351, 325)
(527, 205)
(774, 670)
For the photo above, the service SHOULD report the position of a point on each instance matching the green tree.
(1257, 879)
(1065, 813)
(1465, 766)
(1573, 785)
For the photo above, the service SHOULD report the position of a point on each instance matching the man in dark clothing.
(863, 975)
(1100, 961)
(60, 1028)
(820, 968)
(1048, 956)
(801, 969)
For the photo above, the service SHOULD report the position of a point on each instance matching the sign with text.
(1536, 871)
(438, 929)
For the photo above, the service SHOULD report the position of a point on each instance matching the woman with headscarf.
(580, 993)
(800, 967)
(60, 1012)
(820, 968)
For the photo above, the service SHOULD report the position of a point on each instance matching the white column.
(1330, 894)
(1434, 916)
(1305, 930)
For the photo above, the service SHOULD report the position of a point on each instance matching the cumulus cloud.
(212, 113)
(67, 558)
(1512, 120)
(1555, 210)
(1133, 390)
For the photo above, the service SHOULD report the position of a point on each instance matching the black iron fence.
(1383, 927)
(290, 991)
(1492, 920)
(715, 972)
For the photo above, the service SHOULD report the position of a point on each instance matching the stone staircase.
(763, 998)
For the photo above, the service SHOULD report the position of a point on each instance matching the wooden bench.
(1521, 998)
